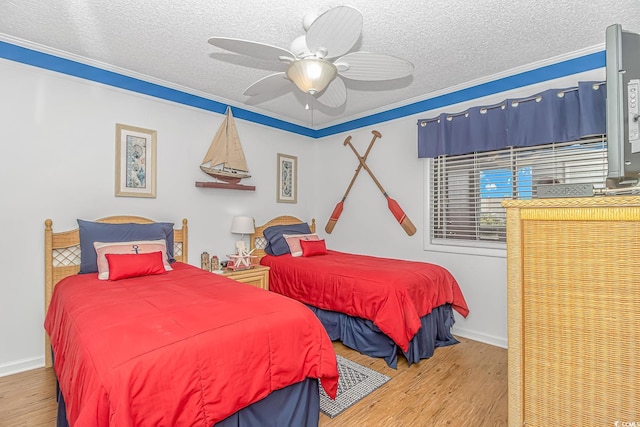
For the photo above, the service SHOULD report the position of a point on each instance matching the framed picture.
(287, 179)
(135, 161)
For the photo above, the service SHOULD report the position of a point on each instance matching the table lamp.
(242, 225)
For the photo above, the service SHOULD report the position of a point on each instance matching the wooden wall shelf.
(203, 184)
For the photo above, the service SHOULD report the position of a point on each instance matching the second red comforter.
(393, 294)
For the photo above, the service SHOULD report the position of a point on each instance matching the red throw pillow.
(123, 266)
(137, 247)
(293, 241)
(313, 247)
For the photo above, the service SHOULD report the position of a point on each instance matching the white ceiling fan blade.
(337, 30)
(372, 66)
(335, 95)
(254, 49)
(273, 83)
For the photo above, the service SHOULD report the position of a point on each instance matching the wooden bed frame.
(257, 240)
(62, 256)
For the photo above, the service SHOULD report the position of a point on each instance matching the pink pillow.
(137, 247)
(123, 266)
(313, 247)
(293, 241)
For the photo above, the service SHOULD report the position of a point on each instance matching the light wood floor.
(461, 385)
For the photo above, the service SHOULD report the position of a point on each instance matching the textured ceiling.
(449, 42)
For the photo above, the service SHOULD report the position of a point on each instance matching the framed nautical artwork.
(287, 179)
(135, 161)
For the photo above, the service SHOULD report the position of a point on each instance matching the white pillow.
(293, 241)
(140, 247)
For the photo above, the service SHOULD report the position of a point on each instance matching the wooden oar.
(337, 211)
(394, 207)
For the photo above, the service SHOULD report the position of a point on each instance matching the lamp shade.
(242, 225)
(311, 75)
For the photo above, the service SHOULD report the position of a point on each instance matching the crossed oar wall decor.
(394, 207)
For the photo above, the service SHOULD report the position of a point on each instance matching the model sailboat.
(225, 159)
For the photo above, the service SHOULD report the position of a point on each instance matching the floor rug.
(355, 382)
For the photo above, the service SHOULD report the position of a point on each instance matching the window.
(466, 191)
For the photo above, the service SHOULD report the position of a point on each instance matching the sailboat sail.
(225, 159)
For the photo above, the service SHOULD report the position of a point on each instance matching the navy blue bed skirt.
(295, 405)
(362, 335)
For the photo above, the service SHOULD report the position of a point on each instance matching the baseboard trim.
(21, 366)
(477, 336)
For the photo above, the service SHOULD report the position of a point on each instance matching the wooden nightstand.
(257, 276)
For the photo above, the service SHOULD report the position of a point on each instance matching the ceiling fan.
(318, 61)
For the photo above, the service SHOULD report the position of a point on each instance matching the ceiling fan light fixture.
(311, 75)
(317, 58)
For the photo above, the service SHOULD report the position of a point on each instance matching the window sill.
(498, 250)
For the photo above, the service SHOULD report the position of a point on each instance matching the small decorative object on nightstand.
(240, 262)
(257, 276)
(204, 261)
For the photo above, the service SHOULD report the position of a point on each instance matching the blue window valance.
(555, 115)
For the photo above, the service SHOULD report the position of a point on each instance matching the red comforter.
(182, 348)
(393, 294)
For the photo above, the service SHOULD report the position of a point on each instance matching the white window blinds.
(467, 190)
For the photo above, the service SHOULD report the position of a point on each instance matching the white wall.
(367, 226)
(58, 153)
(57, 161)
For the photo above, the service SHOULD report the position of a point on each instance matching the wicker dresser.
(574, 311)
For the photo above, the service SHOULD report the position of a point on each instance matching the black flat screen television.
(623, 96)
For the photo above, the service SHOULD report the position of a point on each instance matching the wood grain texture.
(28, 399)
(256, 276)
(464, 384)
(461, 385)
(225, 185)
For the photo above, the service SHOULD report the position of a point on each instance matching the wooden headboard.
(62, 255)
(258, 242)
